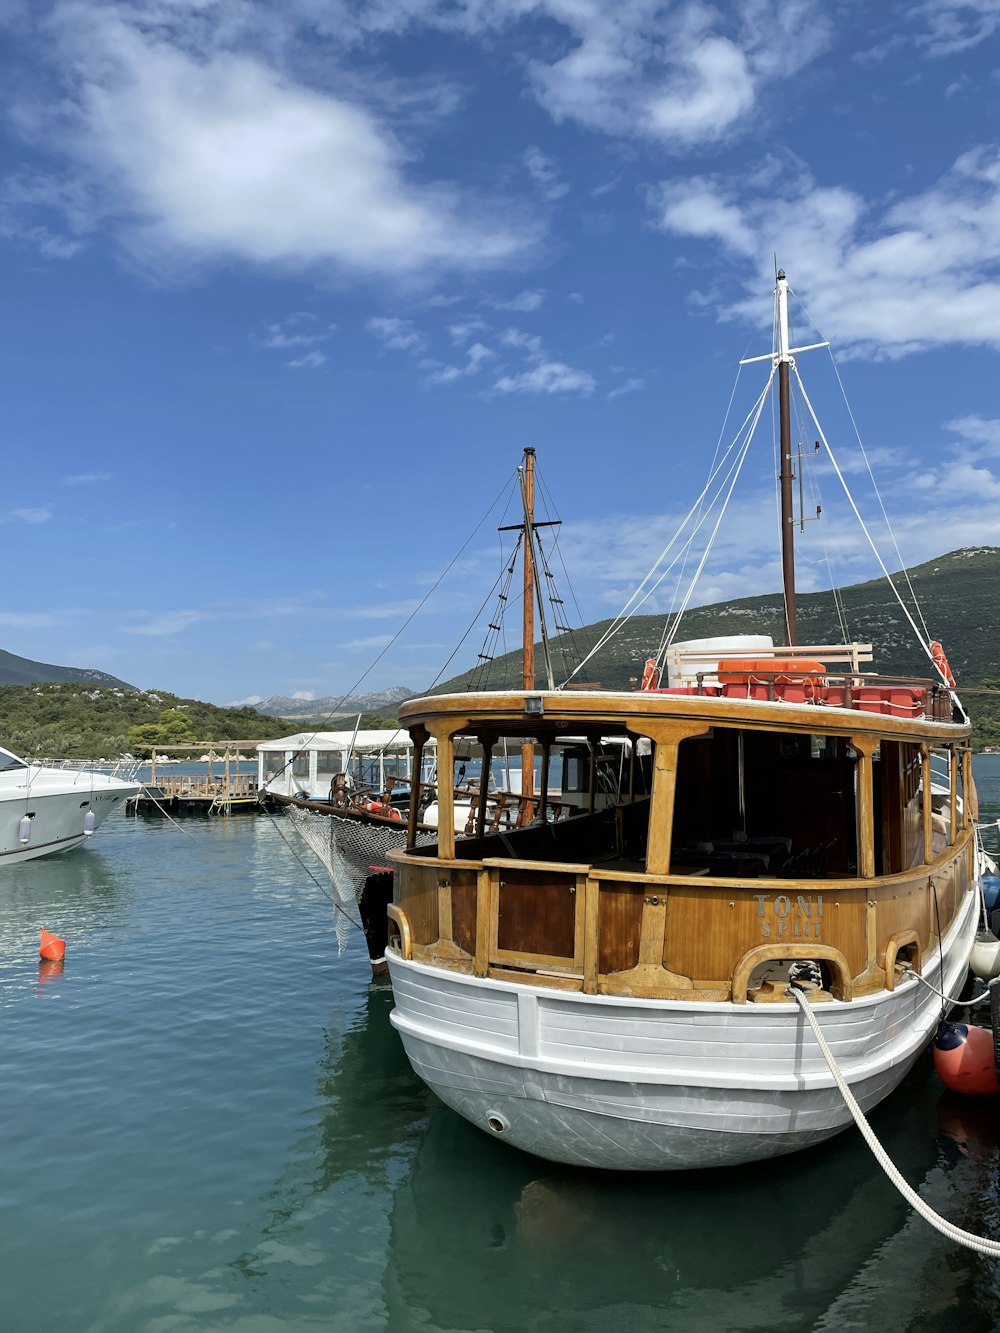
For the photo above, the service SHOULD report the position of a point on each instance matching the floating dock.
(198, 795)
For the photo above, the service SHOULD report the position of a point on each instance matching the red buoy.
(51, 947)
(963, 1058)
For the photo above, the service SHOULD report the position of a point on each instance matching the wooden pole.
(785, 471)
(528, 649)
(787, 515)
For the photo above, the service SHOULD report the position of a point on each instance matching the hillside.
(958, 593)
(75, 721)
(16, 670)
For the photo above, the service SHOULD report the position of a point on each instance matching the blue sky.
(286, 287)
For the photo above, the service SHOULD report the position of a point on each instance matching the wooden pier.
(218, 791)
(204, 795)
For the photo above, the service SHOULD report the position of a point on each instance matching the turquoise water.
(209, 1125)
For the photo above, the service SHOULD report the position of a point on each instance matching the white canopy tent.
(310, 760)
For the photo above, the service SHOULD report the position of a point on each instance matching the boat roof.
(386, 738)
(514, 712)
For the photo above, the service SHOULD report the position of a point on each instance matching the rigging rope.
(921, 639)
(643, 592)
(661, 647)
(416, 610)
(946, 1228)
(708, 547)
(864, 454)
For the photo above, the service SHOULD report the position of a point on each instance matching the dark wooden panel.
(537, 913)
(463, 909)
(619, 917)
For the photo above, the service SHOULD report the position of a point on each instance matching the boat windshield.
(8, 761)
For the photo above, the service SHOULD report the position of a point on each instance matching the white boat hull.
(58, 801)
(631, 1084)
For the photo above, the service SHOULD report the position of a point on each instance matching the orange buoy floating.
(963, 1058)
(49, 969)
(51, 947)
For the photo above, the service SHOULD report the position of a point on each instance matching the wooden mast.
(528, 641)
(786, 475)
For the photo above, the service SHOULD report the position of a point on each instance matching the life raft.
(650, 675)
(780, 670)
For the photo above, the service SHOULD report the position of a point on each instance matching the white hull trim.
(613, 1082)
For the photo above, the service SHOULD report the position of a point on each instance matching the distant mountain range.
(16, 670)
(331, 705)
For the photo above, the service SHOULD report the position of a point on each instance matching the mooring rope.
(946, 1228)
(964, 1004)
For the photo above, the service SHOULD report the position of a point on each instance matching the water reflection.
(483, 1237)
(416, 1219)
(372, 1113)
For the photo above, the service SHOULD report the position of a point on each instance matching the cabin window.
(763, 803)
(329, 762)
(300, 764)
(898, 812)
(8, 762)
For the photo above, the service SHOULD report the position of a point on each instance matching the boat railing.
(611, 928)
(891, 696)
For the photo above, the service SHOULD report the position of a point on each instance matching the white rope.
(864, 528)
(946, 1228)
(962, 1004)
(643, 592)
(711, 541)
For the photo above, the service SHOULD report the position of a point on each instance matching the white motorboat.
(46, 810)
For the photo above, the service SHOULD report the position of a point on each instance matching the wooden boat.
(612, 988)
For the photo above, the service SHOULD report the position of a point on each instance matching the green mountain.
(23, 671)
(79, 721)
(958, 594)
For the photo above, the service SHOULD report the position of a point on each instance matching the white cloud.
(981, 435)
(523, 303)
(168, 622)
(300, 329)
(528, 343)
(461, 333)
(544, 171)
(547, 377)
(248, 702)
(29, 619)
(683, 74)
(711, 91)
(308, 361)
(632, 385)
(475, 358)
(374, 641)
(223, 156)
(29, 516)
(304, 696)
(396, 335)
(956, 25)
(911, 274)
(86, 478)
